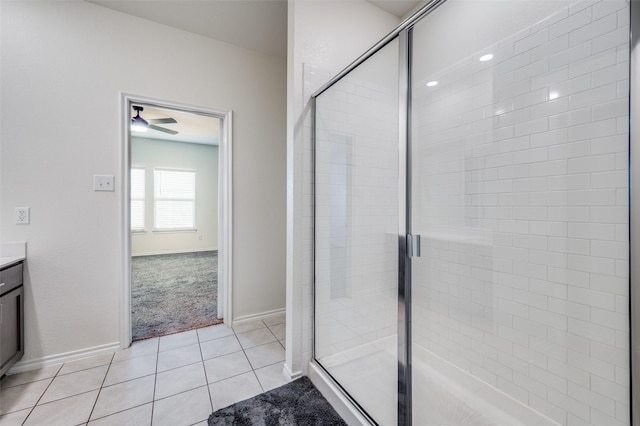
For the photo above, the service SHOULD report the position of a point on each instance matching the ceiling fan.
(140, 124)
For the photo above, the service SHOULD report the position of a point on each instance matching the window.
(137, 199)
(174, 199)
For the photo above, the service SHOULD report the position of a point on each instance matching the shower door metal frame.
(634, 206)
(404, 349)
(403, 33)
(404, 226)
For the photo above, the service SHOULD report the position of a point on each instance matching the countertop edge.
(10, 260)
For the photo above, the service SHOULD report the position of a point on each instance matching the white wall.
(64, 66)
(203, 159)
(324, 37)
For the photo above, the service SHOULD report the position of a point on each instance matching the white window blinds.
(137, 199)
(174, 199)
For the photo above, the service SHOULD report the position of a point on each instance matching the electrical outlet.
(103, 182)
(22, 215)
(200, 237)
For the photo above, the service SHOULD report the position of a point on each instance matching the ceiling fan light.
(137, 127)
(139, 124)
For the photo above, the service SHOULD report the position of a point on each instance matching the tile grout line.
(194, 363)
(277, 340)
(274, 334)
(247, 358)
(124, 381)
(45, 391)
(191, 364)
(206, 378)
(155, 381)
(236, 375)
(100, 388)
(157, 353)
(57, 374)
(264, 344)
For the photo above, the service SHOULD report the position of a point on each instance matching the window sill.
(138, 231)
(175, 230)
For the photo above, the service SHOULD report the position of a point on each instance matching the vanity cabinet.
(11, 316)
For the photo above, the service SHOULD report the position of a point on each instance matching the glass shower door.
(520, 196)
(356, 233)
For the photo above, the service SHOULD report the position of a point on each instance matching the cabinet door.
(10, 324)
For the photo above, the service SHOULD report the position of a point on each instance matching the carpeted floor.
(296, 403)
(171, 293)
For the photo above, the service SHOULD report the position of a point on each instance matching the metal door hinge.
(413, 245)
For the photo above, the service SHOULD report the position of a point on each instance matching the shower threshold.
(368, 373)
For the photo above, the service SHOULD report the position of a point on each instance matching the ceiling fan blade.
(162, 129)
(162, 121)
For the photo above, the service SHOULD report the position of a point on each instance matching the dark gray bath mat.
(296, 403)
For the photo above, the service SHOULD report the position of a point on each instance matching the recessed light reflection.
(432, 83)
(553, 95)
(487, 57)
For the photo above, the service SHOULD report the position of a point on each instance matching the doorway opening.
(177, 184)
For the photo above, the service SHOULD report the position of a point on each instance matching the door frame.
(225, 207)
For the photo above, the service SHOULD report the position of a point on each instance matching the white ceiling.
(191, 127)
(399, 8)
(253, 24)
(259, 25)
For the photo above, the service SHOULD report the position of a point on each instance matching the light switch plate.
(22, 215)
(103, 182)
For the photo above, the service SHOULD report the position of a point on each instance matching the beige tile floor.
(172, 380)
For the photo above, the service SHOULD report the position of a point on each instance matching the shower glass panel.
(520, 196)
(356, 233)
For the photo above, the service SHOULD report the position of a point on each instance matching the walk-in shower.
(471, 225)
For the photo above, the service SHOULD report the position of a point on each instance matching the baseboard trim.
(336, 397)
(158, 253)
(291, 375)
(260, 316)
(33, 364)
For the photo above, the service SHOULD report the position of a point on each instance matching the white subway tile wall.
(521, 198)
(523, 206)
